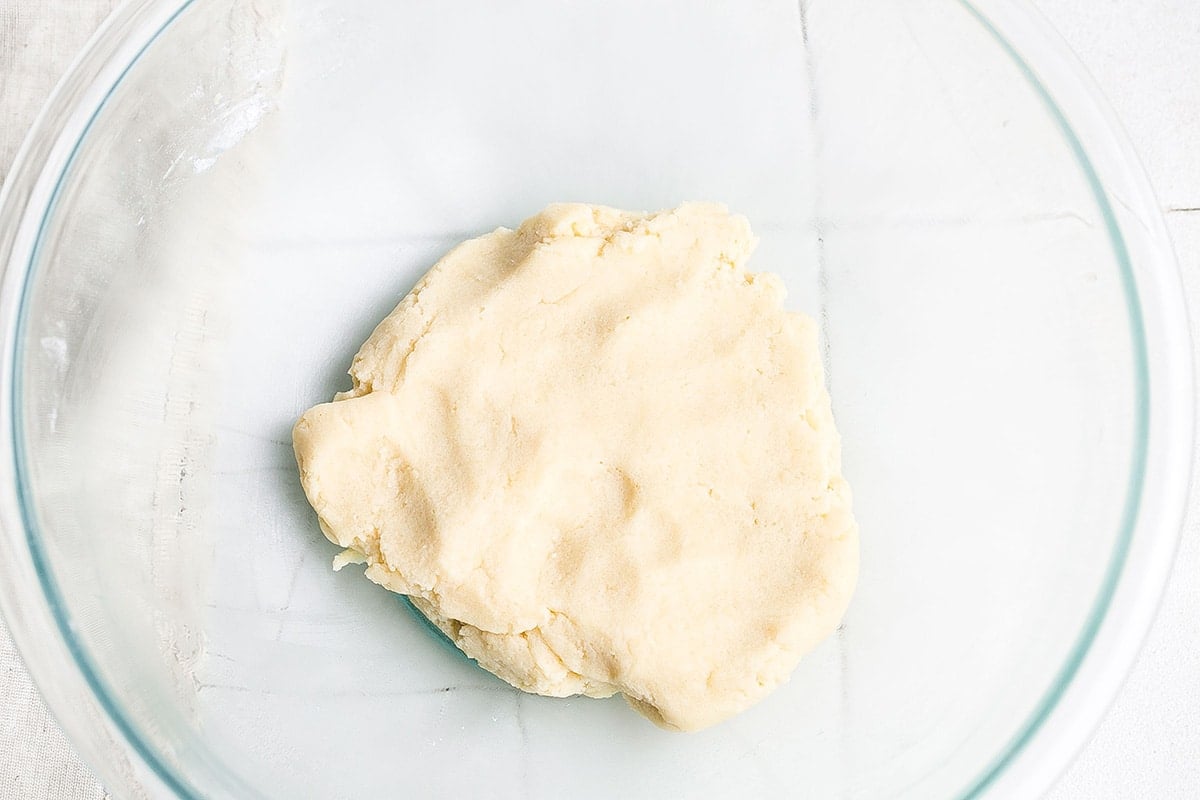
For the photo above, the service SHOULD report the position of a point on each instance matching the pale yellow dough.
(599, 455)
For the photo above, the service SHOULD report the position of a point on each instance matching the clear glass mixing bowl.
(223, 198)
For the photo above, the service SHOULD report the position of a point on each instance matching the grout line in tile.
(820, 225)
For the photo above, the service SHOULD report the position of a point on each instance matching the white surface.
(1142, 53)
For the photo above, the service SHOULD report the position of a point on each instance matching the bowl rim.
(1129, 593)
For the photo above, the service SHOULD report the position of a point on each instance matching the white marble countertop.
(1144, 55)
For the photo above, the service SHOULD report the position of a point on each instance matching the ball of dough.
(600, 456)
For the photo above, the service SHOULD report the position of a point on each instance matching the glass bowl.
(223, 198)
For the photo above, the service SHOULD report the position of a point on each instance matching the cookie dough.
(597, 453)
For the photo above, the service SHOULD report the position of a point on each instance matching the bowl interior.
(265, 183)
